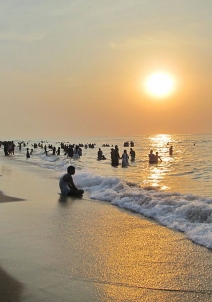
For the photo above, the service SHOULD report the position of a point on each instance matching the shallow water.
(176, 192)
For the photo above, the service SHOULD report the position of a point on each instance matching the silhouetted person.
(157, 157)
(99, 154)
(67, 185)
(6, 149)
(152, 159)
(115, 156)
(125, 158)
(70, 151)
(54, 151)
(132, 154)
(27, 153)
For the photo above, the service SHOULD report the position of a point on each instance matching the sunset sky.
(79, 68)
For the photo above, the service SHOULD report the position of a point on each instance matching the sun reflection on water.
(160, 140)
(155, 177)
(157, 172)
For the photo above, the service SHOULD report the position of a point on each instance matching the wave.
(182, 212)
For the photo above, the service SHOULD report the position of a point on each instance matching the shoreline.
(87, 250)
(5, 198)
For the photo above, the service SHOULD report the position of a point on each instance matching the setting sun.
(159, 84)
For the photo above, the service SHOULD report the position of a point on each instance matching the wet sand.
(65, 249)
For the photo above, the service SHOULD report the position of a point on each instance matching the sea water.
(176, 192)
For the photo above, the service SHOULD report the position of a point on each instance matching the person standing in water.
(125, 158)
(132, 154)
(116, 156)
(27, 153)
(151, 157)
(66, 184)
(157, 157)
(99, 154)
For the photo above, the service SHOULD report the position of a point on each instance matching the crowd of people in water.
(74, 151)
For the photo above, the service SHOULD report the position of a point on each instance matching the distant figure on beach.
(132, 154)
(77, 152)
(171, 150)
(115, 156)
(99, 154)
(27, 153)
(45, 149)
(157, 157)
(31, 152)
(54, 150)
(12, 148)
(6, 149)
(66, 184)
(153, 158)
(125, 158)
(70, 151)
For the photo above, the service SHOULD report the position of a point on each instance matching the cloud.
(138, 42)
(162, 39)
(33, 37)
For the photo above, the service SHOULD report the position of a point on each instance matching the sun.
(160, 84)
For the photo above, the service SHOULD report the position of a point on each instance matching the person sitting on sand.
(66, 184)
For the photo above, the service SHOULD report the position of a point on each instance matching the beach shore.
(65, 249)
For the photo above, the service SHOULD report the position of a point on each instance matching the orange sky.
(77, 68)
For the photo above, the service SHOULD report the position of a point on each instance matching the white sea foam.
(186, 213)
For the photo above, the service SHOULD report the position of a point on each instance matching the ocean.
(176, 192)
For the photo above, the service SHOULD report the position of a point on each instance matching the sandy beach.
(65, 249)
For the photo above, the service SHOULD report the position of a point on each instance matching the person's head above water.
(71, 170)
